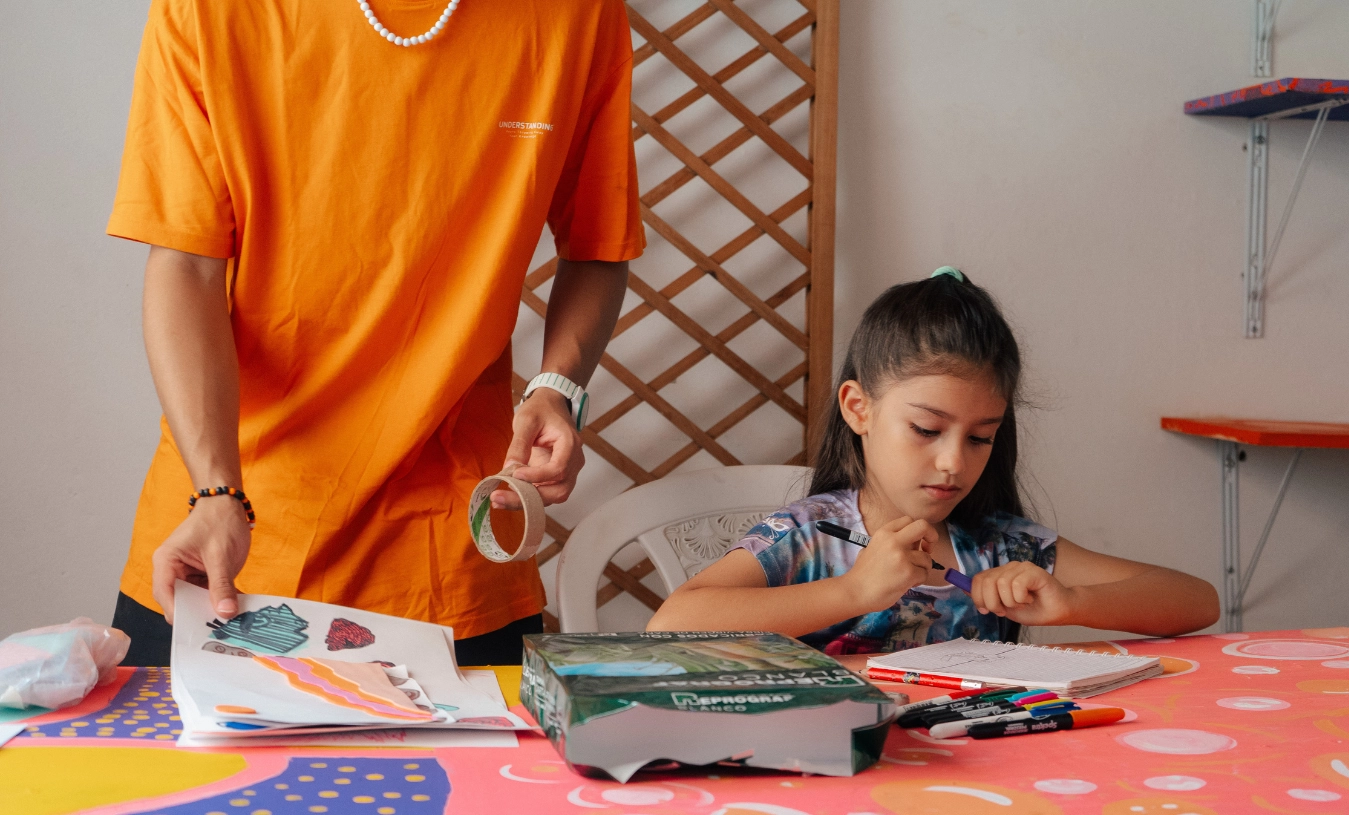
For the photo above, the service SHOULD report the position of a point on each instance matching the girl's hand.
(1024, 593)
(895, 561)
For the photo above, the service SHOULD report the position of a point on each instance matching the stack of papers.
(297, 672)
(1075, 672)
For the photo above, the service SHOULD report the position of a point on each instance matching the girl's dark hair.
(939, 325)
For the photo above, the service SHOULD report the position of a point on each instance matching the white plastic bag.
(57, 666)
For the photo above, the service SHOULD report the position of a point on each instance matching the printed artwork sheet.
(285, 663)
(424, 737)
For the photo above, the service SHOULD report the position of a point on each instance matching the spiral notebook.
(1075, 672)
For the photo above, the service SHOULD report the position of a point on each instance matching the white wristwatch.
(578, 401)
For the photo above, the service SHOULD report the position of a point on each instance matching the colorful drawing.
(343, 634)
(359, 686)
(217, 647)
(274, 628)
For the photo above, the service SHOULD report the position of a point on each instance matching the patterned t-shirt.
(792, 550)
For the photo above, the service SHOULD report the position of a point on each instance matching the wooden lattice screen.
(730, 188)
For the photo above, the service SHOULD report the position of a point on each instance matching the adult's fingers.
(161, 585)
(505, 499)
(526, 429)
(556, 493)
(220, 582)
(555, 468)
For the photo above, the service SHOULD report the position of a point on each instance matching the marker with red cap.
(930, 680)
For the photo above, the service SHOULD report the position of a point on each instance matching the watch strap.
(577, 398)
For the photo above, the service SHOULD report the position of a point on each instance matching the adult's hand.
(190, 345)
(207, 549)
(545, 449)
(583, 308)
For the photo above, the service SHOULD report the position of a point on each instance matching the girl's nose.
(951, 457)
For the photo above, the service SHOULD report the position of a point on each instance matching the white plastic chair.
(684, 523)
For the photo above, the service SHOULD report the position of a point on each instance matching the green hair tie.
(951, 270)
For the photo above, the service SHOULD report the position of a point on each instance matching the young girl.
(919, 452)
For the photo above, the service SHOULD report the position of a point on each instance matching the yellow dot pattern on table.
(138, 708)
(371, 785)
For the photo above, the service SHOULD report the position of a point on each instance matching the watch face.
(582, 408)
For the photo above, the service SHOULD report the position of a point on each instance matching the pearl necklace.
(406, 41)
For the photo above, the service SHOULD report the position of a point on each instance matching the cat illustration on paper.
(217, 647)
(916, 616)
(276, 629)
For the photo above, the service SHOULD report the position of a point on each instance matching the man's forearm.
(582, 310)
(190, 345)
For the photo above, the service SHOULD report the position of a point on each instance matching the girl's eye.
(981, 439)
(924, 432)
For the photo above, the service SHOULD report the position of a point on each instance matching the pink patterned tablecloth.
(1240, 723)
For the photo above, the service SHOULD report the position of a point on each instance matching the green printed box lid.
(730, 672)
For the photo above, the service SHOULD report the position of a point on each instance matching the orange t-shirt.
(381, 205)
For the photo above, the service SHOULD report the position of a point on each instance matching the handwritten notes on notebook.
(1080, 673)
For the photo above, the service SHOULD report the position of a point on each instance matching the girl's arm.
(733, 593)
(1125, 595)
(1098, 591)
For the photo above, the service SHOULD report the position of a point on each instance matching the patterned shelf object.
(1273, 97)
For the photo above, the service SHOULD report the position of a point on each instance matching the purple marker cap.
(959, 579)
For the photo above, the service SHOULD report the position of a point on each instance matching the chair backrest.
(684, 522)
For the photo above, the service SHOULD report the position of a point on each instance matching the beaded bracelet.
(238, 495)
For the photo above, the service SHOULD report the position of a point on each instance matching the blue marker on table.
(958, 579)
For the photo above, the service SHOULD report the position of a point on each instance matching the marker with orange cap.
(1066, 721)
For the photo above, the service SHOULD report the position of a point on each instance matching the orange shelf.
(1263, 433)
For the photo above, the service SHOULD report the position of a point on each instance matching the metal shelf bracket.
(1262, 36)
(1259, 255)
(1235, 581)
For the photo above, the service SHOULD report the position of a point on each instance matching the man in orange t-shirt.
(341, 221)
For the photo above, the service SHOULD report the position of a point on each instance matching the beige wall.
(1041, 147)
(1038, 145)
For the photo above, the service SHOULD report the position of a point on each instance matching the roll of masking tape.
(480, 520)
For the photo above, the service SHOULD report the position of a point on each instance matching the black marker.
(958, 579)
